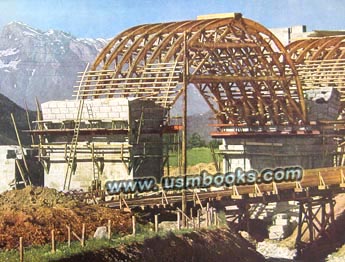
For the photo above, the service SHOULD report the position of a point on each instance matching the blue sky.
(106, 18)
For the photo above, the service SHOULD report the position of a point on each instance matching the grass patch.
(43, 253)
(194, 156)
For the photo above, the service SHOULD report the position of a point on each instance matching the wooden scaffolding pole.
(184, 127)
(23, 154)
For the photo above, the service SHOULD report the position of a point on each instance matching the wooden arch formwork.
(240, 68)
(320, 62)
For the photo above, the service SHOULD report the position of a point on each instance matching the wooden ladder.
(89, 111)
(73, 147)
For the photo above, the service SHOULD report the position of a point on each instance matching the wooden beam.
(219, 16)
(200, 79)
(220, 45)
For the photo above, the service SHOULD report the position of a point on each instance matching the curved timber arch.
(320, 62)
(240, 68)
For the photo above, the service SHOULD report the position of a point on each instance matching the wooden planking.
(319, 179)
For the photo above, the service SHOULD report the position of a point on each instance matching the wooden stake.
(178, 221)
(198, 218)
(21, 250)
(207, 218)
(156, 223)
(133, 225)
(68, 236)
(109, 229)
(83, 236)
(53, 241)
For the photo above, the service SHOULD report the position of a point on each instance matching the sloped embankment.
(33, 212)
(206, 245)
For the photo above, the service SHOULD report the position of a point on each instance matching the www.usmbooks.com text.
(205, 180)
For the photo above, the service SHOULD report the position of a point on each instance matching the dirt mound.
(31, 197)
(194, 170)
(217, 245)
(33, 212)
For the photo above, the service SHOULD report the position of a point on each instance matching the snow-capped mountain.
(42, 64)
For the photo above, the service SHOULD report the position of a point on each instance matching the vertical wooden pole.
(83, 236)
(22, 150)
(184, 127)
(53, 241)
(310, 221)
(68, 236)
(207, 218)
(178, 221)
(133, 226)
(29, 123)
(21, 250)
(191, 213)
(299, 228)
(194, 200)
(109, 229)
(198, 219)
(156, 223)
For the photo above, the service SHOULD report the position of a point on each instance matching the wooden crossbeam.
(342, 179)
(257, 192)
(220, 45)
(275, 188)
(235, 194)
(298, 187)
(200, 79)
(322, 185)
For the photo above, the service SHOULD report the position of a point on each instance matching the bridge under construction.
(275, 106)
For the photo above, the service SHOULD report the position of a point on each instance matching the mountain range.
(7, 132)
(44, 65)
(41, 64)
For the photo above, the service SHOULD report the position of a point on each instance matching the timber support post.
(315, 218)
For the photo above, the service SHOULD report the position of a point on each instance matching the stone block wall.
(83, 177)
(8, 167)
(143, 134)
(272, 152)
(323, 103)
(105, 109)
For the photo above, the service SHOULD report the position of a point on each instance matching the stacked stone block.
(104, 109)
(141, 137)
(323, 103)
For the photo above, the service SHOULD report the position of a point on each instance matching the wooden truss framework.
(239, 67)
(320, 62)
(315, 219)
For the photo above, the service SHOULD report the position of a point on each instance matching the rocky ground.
(323, 248)
(33, 212)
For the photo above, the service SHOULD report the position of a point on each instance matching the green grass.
(194, 156)
(43, 253)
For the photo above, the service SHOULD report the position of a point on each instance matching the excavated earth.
(205, 245)
(33, 212)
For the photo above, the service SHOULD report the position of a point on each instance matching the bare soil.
(194, 170)
(217, 245)
(33, 212)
